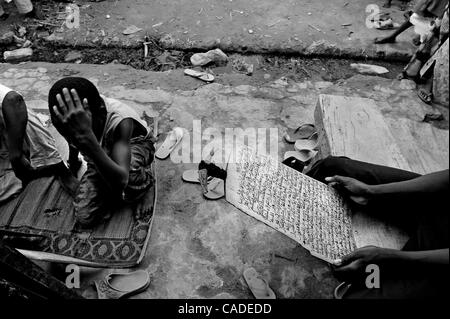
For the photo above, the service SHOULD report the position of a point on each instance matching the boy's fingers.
(330, 179)
(76, 99)
(86, 104)
(62, 106)
(68, 99)
(57, 114)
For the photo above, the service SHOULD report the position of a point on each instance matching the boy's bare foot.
(384, 40)
(144, 207)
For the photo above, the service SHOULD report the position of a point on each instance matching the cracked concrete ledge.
(319, 48)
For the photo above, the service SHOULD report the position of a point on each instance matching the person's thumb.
(346, 259)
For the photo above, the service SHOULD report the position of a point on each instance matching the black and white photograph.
(223, 155)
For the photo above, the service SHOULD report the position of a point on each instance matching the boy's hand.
(359, 192)
(75, 117)
(357, 260)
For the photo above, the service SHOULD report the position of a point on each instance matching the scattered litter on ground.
(157, 25)
(131, 30)
(217, 56)
(314, 27)
(242, 67)
(16, 55)
(201, 75)
(369, 68)
(73, 56)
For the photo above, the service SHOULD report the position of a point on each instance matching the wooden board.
(354, 127)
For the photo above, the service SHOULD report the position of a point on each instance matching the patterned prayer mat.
(40, 223)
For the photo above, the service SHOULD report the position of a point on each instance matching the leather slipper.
(122, 285)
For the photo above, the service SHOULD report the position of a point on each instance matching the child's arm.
(16, 117)
(114, 170)
(76, 120)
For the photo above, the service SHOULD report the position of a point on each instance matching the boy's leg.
(91, 198)
(141, 177)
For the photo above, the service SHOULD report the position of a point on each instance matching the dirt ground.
(245, 26)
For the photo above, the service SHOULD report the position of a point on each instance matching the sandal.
(304, 156)
(301, 132)
(294, 163)
(258, 285)
(425, 96)
(341, 290)
(307, 144)
(206, 77)
(172, 140)
(118, 286)
(215, 189)
(191, 176)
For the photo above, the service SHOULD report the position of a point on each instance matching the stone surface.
(259, 26)
(199, 248)
(441, 77)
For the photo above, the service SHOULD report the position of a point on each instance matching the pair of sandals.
(214, 188)
(306, 141)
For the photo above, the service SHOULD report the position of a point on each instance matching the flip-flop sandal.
(216, 189)
(384, 25)
(117, 285)
(294, 163)
(341, 290)
(199, 75)
(425, 96)
(172, 140)
(303, 156)
(307, 144)
(303, 131)
(258, 285)
(191, 176)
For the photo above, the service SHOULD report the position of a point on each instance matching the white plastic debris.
(369, 68)
(216, 55)
(18, 54)
(131, 29)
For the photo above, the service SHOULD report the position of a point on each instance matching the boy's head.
(86, 90)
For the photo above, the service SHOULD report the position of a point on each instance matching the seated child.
(112, 138)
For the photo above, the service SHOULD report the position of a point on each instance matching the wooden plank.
(424, 146)
(354, 127)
